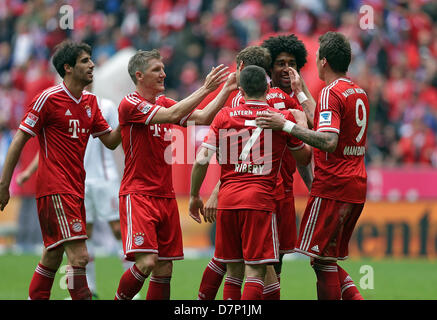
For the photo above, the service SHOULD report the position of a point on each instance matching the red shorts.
(62, 218)
(286, 216)
(326, 228)
(150, 224)
(246, 235)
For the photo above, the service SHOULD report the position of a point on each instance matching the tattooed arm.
(325, 141)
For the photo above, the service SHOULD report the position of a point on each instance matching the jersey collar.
(139, 95)
(344, 79)
(257, 103)
(70, 95)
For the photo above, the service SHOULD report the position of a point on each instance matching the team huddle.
(264, 124)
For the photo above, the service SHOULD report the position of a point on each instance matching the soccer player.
(62, 117)
(284, 51)
(149, 216)
(338, 191)
(215, 270)
(101, 188)
(246, 236)
(288, 51)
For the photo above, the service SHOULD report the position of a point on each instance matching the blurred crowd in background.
(394, 61)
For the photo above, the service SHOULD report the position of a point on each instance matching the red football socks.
(348, 289)
(253, 289)
(159, 288)
(211, 280)
(130, 284)
(272, 292)
(77, 283)
(41, 283)
(232, 288)
(328, 286)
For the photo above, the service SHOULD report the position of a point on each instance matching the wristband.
(302, 97)
(288, 126)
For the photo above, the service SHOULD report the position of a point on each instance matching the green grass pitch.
(393, 279)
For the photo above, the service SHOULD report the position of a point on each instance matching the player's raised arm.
(198, 174)
(206, 115)
(303, 95)
(11, 160)
(176, 112)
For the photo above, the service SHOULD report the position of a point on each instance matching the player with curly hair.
(288, 51)
(284, 51)
(338, 191)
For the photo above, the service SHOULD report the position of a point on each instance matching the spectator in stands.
(399, 52)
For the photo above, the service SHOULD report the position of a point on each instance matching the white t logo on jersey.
(75, 128)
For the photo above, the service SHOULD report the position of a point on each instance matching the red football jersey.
(343, 108)
(278, 99)
(63, 125)
(250, 157)
(146, 169)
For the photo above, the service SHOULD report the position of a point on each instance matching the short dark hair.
(254, 56)
(253, 81)
(335, 47)
(67, 52)
(289, 44)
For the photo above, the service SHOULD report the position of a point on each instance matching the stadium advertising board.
(393, 229)
(385, 229)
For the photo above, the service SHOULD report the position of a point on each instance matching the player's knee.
(163, 269)
(80, 260)
(146, 262)
(236, 270)
(77, 253)
(256, 271)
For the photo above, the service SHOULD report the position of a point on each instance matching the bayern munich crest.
(138, 238)
(88, 111)
(76, 225)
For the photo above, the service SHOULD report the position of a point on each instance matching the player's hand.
(217, 75)
(300, 117)
(231, 82)
(4, 196)
(196, 205)
(211, 208)
(295, 80)
(271, 120)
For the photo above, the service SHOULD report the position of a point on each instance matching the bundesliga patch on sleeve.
(31, 120)
(325, 118)
(144, 107)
